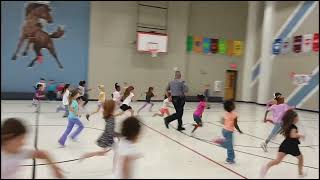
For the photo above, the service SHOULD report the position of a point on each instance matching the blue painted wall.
(72, 48)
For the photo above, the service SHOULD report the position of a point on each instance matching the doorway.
(230, 85)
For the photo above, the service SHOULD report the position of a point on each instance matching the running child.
(38, 95)
(127, 98)
(105, 141)
(127, 151)
(230, 121)
(290, 144)
(73, 118)
(276, 96)
(13, 138)
(101, 100)
(197, 115)
(116, 95)
(278, 111)
(65, 103)
(149, 95)
(165, 107)
(83, 90)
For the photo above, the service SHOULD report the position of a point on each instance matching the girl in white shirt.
(116, 95)
(65, 92)
(127, 98)
(13, 137)
(127, 152)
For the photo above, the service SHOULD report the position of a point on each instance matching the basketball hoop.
(153, 49)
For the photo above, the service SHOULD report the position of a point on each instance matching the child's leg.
(229, 146)
(276, 129)
(131, 111)
(66, 113)
(265, 116)
(143, 106)
(151, 105)
(79, 129)
(300, 164)
(96, 153)
(276, 161)
(63, 138)
(198, 121)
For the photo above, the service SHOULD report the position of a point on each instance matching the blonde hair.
(101, 87)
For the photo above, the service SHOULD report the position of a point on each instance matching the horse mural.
(32, 32)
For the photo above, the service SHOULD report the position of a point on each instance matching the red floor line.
(195, 151)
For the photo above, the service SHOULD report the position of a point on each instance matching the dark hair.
(127, 92)
(72, 94)
(228, 106)
(200, 97)
(11, 128)
(108, 108)
(39, 86)
(117, 87)
(82, 83)
(65, 87)
(149, 93)
(42, 79)
(277, 95)
(287, 120)
(130, 128)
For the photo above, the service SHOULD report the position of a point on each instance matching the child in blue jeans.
(230, 120)
(73, 118)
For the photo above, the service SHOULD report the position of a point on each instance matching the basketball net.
(301, 79)
(154, 52)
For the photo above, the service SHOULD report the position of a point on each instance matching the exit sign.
(233, 66)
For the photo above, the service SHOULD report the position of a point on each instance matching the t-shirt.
(52, 87)
(177, 87)
(38, 94)
(200, 108)
(75, 107)
(128, 99)
(102, 97)
(65, 97)
(278, 111)
(116, 96)
(229, 118)
(149, 96)
(10, 163)
(165, 104)
(125, 148)
(81, 90)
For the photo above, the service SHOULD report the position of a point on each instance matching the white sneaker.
(264, 147)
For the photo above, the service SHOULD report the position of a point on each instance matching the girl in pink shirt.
(276, 96)
(230, 121)
(278, 111)
(197, 115)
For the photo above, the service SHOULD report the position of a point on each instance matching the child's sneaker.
(229, 162)
(264, 147)
(87, 116)
(218, 141)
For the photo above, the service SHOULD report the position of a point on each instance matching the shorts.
(164, 110)
(125, 107)
(197, 119)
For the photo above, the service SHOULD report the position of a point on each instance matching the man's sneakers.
(229, 161)
(166, 123)
(181, 129)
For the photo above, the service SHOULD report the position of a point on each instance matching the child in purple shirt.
(278, 111)
(197, 115)
(276, 96)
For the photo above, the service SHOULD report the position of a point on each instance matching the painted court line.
(211, 160)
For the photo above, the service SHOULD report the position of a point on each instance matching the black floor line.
(36, 140)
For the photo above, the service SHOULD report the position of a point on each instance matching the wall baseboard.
(29, 96)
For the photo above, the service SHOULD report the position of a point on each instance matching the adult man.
(177, 88)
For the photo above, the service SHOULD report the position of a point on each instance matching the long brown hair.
(287, 121)
(72, 94)
(127, 92)
(108, 108)
(12, 128)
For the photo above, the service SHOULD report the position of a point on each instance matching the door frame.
(235, 83)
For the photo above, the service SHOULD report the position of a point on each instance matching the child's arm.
(125, 167)
(236, 125)
(294, 134)
(38, 154)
